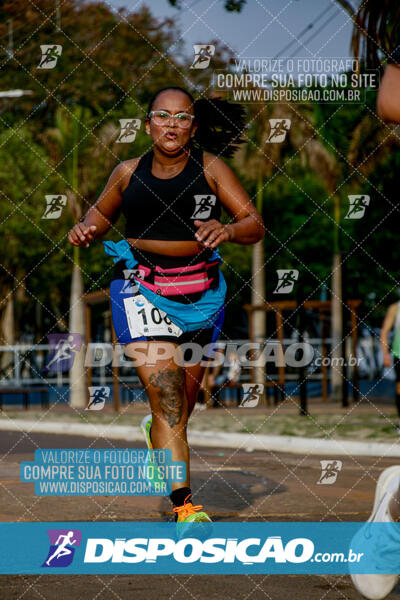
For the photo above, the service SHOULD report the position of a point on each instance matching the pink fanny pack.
(178, 280)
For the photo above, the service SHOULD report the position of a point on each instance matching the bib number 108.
(145, 319)
(155, 316)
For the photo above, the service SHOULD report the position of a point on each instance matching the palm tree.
(327, 167)
(67, 136)
(368, 143)
(256, 161)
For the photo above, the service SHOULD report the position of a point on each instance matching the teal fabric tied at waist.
(189, 317)
(122, 251)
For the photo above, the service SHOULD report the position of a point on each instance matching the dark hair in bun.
(220, 123)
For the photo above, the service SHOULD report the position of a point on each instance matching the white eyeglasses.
(163, 117)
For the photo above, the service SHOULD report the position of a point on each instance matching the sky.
(264, 28)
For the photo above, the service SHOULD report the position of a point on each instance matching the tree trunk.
(337, 330)
(77, 375)
(258, 290)
(78, 393)
(7, 333)
(336, 309)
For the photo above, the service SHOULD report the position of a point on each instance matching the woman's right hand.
(82, 235)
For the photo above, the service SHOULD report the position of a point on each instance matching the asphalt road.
(232, 485)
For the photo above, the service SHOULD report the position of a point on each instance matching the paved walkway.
(232, 484)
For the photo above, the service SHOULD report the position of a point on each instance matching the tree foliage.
(110, 65)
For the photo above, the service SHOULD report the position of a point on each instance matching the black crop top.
(165, 209)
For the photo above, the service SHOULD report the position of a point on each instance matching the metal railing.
(23, 364)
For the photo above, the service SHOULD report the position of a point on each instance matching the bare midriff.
(167, 248)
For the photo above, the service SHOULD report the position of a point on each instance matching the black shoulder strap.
(196, 156)
(143, 164)
(145, 161)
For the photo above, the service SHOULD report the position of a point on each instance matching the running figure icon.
(129, 129)
(251, 395)
(279, 129)
(357, 207)
(204, 206)
(54, 207)
(100, 395)
(287, 279)
(64, 351)
(62, 549)
(50, 54)
(203, 55)
(329, 471)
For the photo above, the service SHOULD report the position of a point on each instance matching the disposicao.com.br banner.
(221, 548)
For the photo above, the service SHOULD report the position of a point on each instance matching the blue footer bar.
(217, 548)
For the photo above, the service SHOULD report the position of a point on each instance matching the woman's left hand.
(211, 233)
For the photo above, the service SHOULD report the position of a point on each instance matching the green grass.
(353, 426)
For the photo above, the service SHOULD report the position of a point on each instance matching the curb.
(215, 439)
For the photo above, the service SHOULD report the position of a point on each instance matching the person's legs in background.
(396, 366)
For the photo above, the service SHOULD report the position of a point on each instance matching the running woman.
(172, 198)
(376, 32)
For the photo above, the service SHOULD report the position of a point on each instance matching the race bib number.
(145, 319)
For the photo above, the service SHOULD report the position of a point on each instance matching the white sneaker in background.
(378, 586)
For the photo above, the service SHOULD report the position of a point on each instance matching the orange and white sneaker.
(192, 520)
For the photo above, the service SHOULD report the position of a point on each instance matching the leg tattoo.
(171, 385)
